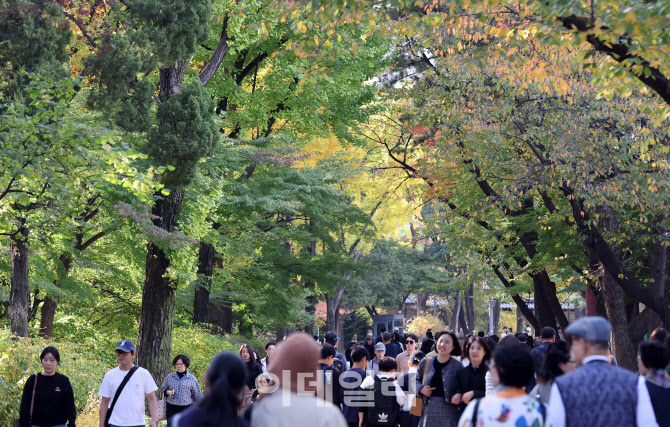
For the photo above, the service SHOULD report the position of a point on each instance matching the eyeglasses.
(410, 342)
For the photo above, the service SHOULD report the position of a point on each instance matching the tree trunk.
(332, 309)
(622, 347)
(48, 311)
(496, 316)
(220, 314)
(310, 285)
(203, 285)
(19, 300)
(519, 321)
(470, 307)
(47, 314)
(461, 321)
(421, 299)
(659, 272)
(457, 312)
(154, 340)
(543, 312)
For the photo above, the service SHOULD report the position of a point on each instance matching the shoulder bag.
(418, 407)
(32, 403)
(118, 393)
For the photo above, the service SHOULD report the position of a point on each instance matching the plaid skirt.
(438, 413)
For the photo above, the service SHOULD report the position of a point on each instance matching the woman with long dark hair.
(437, 383)
(254, 369)
(225, 381)
(555, 362)
(471, 379)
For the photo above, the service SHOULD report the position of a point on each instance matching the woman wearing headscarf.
(294, 369)
(437, 382)
(224, 381)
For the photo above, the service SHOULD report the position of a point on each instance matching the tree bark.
(519, 321)
(19, 300)
(203, 285)
(48, 311)
(543, 312)
(659, 272)
(622, 347)
(332, 309)
(154, 342)
(453, 325)
(421, 299)
(470, 307)
(496, 316)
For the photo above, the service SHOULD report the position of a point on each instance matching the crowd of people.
(562, 379)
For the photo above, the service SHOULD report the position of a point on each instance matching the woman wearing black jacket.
(54, 399)
(472, 378)
(254, 368)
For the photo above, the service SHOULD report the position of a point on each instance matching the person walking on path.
(556, 362)
(511, 369)
(652, 359)
(548, 336)
(180, 387)
(53, 403)
(332, 339)
(380, 350)
(411, 342)
(598, 394)
(128, 410)
(427, 343)
(269, 349)
(438, 383)
(392, 349)
(295, 404)
(225, 381)
(472, 378)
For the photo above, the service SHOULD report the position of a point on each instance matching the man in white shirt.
(598, 394)
(129, 408)
(269, 349)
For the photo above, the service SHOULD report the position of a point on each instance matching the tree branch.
(220, 52)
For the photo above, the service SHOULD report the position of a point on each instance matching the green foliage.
(174, 29)
(188, 133)
(33, 37)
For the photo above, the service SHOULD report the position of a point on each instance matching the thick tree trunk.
(622, 347)
(659, 272)
(462, 323)
(543, 312)
(220, 314)
(203, 285)
(47, 314)
(19, 300)
(154, 340)
(48, 311)
(421, 300)
(310, 286)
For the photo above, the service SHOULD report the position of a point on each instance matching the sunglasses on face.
(410, 342)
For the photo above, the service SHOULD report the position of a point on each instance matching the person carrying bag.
(118, 393)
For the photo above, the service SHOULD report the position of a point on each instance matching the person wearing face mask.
(471, 379)
(53, 404)
(437, 382)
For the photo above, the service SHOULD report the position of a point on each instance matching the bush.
(422, 323)
(21, 358)
(85, 362)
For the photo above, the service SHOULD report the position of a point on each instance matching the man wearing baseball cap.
(380, 351)
(598, 394)
(332, 339)
(128, 408)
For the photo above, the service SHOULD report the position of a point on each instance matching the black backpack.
(338, 365)
(386, 409)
